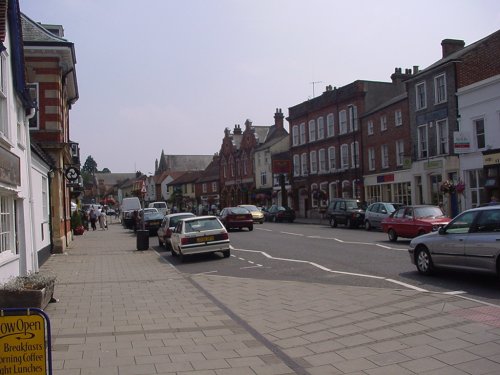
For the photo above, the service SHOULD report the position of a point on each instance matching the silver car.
(376, 212)
(471, 241)
(200, 234)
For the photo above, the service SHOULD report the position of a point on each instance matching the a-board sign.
(24, 342)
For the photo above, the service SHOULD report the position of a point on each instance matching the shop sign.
(491, 159)
(24, 341)
(461, 142)
(10, 168)
(385, 178)
(433, 164)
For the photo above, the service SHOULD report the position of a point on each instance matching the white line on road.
(204, 273)
(265, 230)
(455, 292)
(293, 234)
(326, 269)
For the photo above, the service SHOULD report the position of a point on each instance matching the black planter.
(142, 239)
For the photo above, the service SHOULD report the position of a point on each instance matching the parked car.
(376, 212)
(168, 225)
(257, 214)
(469, 242)
(160, 206)
(152, 220)
(200, 234)
(236, 217)
(279, 214)
(350, 212)
(128, 206)
(413, 221)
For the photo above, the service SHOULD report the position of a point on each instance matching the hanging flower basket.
(460, 187)
(447, 187)
(275, 194)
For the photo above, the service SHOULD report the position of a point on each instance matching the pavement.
(121, 311)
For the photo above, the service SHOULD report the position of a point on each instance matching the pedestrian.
(93, 218)
(102, 220)
(493, 200)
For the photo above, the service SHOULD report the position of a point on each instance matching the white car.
(168, 225)
(200, 234)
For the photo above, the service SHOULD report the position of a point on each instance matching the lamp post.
(355, 148)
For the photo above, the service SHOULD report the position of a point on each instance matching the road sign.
(143, 188)
(25, 342)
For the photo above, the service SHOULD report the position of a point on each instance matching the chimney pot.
(449, 46)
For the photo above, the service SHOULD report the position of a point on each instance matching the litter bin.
(142, 239)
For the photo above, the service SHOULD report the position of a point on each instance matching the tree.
(90, 166)
(106, 170)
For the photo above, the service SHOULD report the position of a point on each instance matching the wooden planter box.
(27, 297)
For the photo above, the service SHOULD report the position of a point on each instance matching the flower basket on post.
(33, 290)
(447, 187)
(460, 187)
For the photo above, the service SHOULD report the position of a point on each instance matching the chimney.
(450, 46)
(237, 129)
(278, 118)
(248, 124)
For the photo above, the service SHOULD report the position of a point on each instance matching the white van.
(161, 206)
(128, 206)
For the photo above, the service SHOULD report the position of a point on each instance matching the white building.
(23, 177)
(478, 141)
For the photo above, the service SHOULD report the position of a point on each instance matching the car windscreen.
(251, 208)
(428, 212)
(200, 225)
(239, 211)
(353, 205)
(174, 220)
(391, 207)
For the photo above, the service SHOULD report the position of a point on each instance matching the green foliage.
(90, 166)
(105, 170)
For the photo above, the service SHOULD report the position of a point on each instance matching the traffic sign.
(72, 173)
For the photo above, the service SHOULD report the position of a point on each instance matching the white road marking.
(326, 269)
(455, 292)
(264, 229)
(293, 234)
(204, 273)
(244, 268)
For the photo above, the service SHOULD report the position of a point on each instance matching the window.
(332, 162)
(295, 135)
(422, 141)
(214, 187)
(4, 124)
(344, 156)
(263, 178)
(420, 95)
(45, 198)
(314, 195)
(314, 162)
(296, 165)
(224, 168)
(21, 133)
(479, 131)
(7, 240)
(302, 133)
(322, 160)
(354, 155)
(383, 123)
(343, 122)
(312, 131)
(245, 165)
(370, 127)
(321, 127)
(384, 150)
(371, 159)
(330, 123)
(475, 182)
(440, 89)
(231, 165)
(303, 164)
(353, 118)
(400, 152)
(442, 137)
(204, 187)
(398, 118)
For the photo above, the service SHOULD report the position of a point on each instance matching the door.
(483, 245)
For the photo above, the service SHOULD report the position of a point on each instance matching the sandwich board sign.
(24, 342)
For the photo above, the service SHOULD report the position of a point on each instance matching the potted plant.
(33, 290)
(76, 223)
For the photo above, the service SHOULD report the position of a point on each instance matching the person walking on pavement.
(93, 218)
(102, 220)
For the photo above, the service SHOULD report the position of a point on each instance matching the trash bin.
(142, 239)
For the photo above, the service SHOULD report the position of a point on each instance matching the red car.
(413, 221)
(236, 217)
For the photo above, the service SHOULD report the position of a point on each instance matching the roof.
(184, 162)
(186, 178)
(457, 55)
(113, 178)
(211, 173)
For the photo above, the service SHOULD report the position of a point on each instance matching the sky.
(170, 75)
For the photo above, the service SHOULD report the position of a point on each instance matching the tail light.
(168, 234)
(224, 236)
(184, 241)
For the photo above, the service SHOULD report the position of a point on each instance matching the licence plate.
(205, 239)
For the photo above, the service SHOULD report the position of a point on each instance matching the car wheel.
(333, 222)
(368, 226)
(393, 237)
(159, 242)
(182, 257)
(226, 253)
(423, 261)
(172, 251)
(250, 228)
